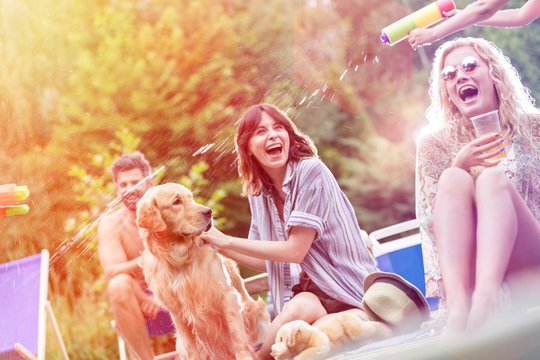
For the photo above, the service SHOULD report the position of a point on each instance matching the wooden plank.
(257, 284)
(514, 336)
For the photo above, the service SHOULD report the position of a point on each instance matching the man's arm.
(112, 255)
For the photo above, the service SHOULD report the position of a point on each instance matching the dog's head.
(170, 208)
(292, 338)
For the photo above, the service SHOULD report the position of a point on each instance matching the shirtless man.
(119, 249)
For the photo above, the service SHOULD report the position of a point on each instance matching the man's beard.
(131, 200)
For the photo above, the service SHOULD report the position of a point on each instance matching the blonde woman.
(479, 219)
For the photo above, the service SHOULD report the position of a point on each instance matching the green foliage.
(520, 45)
(197, 183)
(86, 329)
(384, 194)
(338, 52)
(94, 188)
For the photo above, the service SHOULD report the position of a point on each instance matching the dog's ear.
(291, 335)
(148, 215)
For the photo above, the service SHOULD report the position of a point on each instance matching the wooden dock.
(516, 336)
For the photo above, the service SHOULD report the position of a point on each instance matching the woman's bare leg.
(508, 240)
(454, 226)
(496, 236)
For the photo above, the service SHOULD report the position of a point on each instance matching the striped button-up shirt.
(338, 260)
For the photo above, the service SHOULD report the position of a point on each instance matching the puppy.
(190, 279)
(298, 340)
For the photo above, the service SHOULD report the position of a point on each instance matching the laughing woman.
(480, 220)
(299, 216)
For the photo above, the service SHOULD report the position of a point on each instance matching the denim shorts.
(330, 305)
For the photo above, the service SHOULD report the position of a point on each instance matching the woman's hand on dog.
(215, 238)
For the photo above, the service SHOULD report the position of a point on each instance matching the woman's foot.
(456, 319)
(482, 309)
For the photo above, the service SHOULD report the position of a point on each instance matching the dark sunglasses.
(469, 64)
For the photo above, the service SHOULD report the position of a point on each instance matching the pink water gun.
(426, 16)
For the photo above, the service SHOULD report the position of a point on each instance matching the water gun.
(426, 16)
(10, 196)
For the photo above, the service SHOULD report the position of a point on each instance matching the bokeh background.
(83, 81)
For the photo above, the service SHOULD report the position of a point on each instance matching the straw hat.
(391, 299)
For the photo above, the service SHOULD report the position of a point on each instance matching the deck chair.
(24, 308)
(401, 253)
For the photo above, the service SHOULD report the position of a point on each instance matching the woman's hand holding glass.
(479, 151)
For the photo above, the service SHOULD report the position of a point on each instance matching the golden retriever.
(299, 340)
(210, 307)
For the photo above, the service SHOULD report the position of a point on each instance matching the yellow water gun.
(10, 196)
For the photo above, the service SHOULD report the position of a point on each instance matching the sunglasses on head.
(469, 64)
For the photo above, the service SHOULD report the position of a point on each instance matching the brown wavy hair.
(253, 176)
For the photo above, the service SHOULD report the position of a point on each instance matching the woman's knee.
(454, 181)
(305, 306)
(492, 180)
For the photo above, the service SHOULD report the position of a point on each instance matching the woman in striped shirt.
(299, 216)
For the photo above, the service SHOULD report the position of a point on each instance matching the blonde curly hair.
(515, 101)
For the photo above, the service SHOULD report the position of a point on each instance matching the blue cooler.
(403, 255)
